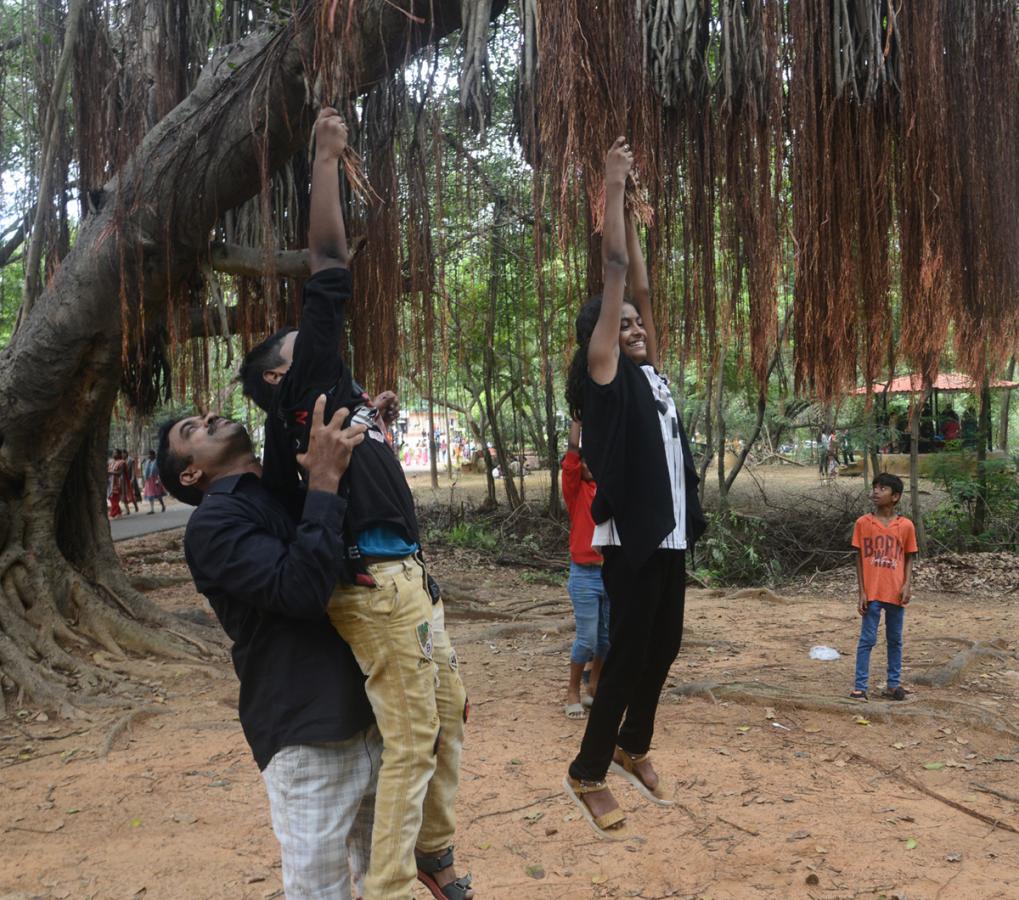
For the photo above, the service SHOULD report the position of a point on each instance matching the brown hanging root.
(635, 201)
(357, 178)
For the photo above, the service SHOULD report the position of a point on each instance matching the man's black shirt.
(374, 484)
(269, 582)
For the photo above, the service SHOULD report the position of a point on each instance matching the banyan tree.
(862, 152)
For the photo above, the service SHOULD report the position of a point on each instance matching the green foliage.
(733, 551)
(472, 536)
(551, 579)
(950, 525)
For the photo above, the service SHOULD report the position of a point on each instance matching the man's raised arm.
(327, 236)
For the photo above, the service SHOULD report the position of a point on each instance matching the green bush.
(733, 551)
(472, 536)
(950, 525)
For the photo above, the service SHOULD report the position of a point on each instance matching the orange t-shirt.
(883, 549)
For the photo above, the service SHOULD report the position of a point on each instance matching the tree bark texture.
(59, 375)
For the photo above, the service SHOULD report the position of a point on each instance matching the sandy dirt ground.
(784, 787)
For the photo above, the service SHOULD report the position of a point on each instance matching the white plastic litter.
(822, 652)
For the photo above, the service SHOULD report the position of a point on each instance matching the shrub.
(950, 525)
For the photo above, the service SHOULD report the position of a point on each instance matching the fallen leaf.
(898, 745)
(743, 728)
(934, 766)
(484, 846)
(953, 857)
(72, 810)
(135, 823)
(535, 872)
(812, 729)
(860, 720)
(911, 844)
(821, 849)
(599, 879)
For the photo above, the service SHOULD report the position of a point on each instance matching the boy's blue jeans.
(894, 615)
(591, 610)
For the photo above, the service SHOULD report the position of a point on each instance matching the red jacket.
(579, 495)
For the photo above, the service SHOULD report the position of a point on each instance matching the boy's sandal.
(575, 711)
(429, 865)
(623, 764)
(587, 701)
(608, 825)
(896, 693)
(857, 695)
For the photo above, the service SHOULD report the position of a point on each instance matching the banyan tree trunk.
(61, 585)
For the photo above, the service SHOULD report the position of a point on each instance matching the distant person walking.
(153, 488)
(131, 474)
(115, 475)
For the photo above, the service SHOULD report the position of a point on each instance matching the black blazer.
(623, 448)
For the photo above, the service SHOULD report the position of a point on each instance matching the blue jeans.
(591, 610)
(894, 615)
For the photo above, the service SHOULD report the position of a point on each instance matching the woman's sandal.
(623, 764)
(429, 865)
(608, 825)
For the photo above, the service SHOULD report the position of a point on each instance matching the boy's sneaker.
(857, 695)
(896, 693)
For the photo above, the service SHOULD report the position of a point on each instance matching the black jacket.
(623, 448)
(269, 581)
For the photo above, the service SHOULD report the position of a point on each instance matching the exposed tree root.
(759, 594)
(149, 670)
(48, 610)
(930, 708)
(892, 772)
(516, 629)
(124, 722)
(957, 666)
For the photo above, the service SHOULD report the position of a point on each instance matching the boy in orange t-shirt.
(884, 572)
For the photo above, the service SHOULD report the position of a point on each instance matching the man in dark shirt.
(302, 703)
(382, 606)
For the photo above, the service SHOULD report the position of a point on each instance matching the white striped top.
(605, 534)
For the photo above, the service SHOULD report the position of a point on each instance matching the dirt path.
(774, 799)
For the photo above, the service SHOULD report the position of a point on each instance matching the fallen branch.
(506, 812)
(893, 772)
(766, 695)
(984, 789)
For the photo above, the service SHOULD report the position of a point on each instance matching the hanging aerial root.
(635, 201)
